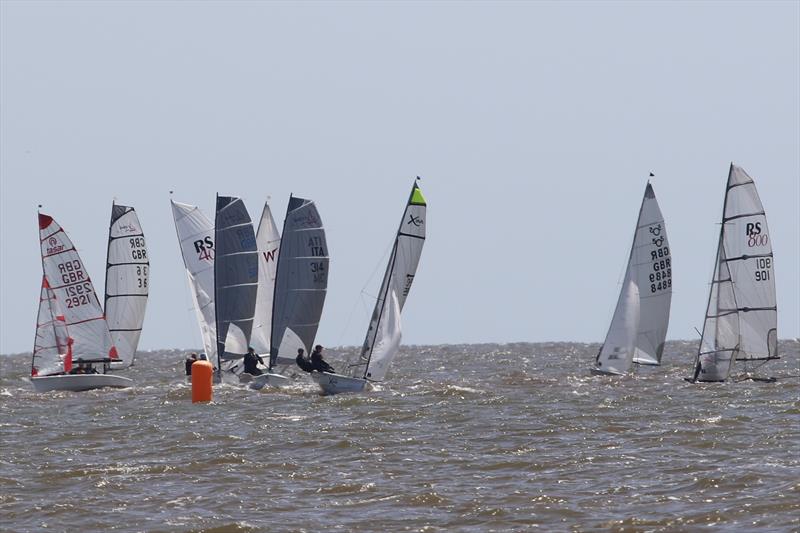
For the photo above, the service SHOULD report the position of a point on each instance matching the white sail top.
(742, 317)
(51, 344)
(127, 280)
(383, 334)
(650, 265)
(67, 278)
(268, 242)
(616, 354)
(196, 237)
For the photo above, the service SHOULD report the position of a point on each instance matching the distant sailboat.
(741, 321)
(384, 332)
(127, 280)
(301, 283)
(70, 326)
(196, 238)
(235, 279)
(639, 325)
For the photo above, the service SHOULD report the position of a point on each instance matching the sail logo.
(204, 249)
(416, 221)
(306, 221)
(127, 228)
(54, 246)
(270, 256)
(409, 281)
(754, 236)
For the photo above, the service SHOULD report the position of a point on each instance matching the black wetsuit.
(304, 364)
(251, 361)
(319, 364)
(189, 363)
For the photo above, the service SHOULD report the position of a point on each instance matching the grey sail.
(235, 277)
(301, 282)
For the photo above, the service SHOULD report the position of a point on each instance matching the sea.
(464, 438)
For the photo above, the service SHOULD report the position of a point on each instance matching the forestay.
(741, 317)
(616, 354)
(196, 238)
(268, 242)
(301, 282)
(383, 334)
(235, 277)
(127, 276)
(70, 285)
(650, 265)
(50, 347)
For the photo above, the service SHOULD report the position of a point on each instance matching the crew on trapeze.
(251, 360)
(315, 363)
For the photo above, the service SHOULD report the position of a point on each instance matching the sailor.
(318, 363)
(80, 369)
(302, 362)
(189, 362)
(251, 360)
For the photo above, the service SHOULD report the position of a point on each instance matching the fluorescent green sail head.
(416, 196)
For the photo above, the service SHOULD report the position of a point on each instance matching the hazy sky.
(534, 126)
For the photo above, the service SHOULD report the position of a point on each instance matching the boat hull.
(79, 382)
(268, 379)
(337, 383)
(610, 372)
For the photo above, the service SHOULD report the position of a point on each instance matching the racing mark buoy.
(202, 379)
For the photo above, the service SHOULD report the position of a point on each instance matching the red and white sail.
(70, 291)
(51, 346)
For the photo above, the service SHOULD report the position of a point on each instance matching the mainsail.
(235, 277)
(268, 242)
(301, 282)
(383, 334)
(196, 238)
(127, 276)
(71, 296)
(51, 346)
(741, 321)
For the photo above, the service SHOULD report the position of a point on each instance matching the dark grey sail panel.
(301, 281)
(235, 276)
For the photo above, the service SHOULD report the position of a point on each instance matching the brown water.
(463, 438)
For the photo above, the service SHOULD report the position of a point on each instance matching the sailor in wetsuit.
(189, 362)
(302, 362)
(318, 363)
(251, 360)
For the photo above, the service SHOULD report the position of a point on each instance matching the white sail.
(742, 318)
(387, 341)
(50, 347)
(268, 242)
(397, 280)
(650, 265)
(74, 293)
(127, 280)
(616, 354)
(196, 238)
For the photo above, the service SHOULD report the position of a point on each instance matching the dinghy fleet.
(266, 290)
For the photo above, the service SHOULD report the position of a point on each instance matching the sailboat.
(639, 325)
(741, 322)
(196, 238)
(384, 331)
(268, 242)
(70, 326)
(301, 283)
(127, 280)
(235, 279)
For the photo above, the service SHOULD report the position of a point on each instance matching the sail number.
(763, 266)
(319, 271)
(661, 275)
(141, 276)
(71, 271)
(78, 294)
(138, 250)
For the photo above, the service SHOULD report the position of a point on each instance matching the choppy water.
(463, 438)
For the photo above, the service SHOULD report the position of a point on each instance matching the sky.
(534, 127)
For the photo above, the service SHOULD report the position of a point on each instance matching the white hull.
(336, 383)
(273, 380)
(609, 372)
(79, 382)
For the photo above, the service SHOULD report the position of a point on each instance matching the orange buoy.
(202, 378)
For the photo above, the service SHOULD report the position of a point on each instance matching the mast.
(216, 289)
(273, 351)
